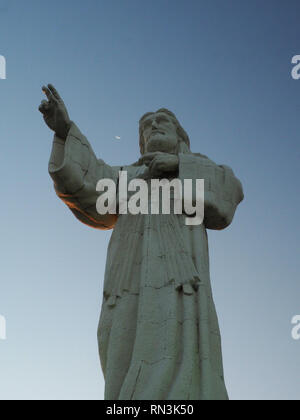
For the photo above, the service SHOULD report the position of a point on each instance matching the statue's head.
(160, 131)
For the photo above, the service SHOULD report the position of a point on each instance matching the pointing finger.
(48, 93)
(54, 91)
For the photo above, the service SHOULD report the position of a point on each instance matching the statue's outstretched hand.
(55, 112)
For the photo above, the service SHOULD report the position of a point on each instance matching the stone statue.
(158, 333)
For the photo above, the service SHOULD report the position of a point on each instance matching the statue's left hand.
(160, 163)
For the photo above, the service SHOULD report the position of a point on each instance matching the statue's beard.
(162, 144)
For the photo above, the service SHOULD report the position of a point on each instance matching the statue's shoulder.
(209, 161)
(200, 155)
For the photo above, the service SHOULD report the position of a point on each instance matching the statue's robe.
(158, 332)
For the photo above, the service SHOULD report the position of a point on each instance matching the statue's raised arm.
(73, 165)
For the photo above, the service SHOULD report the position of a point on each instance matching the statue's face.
(159, 132)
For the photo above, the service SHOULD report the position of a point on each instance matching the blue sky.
(224, 68)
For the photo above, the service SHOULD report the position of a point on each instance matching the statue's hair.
(182, 135)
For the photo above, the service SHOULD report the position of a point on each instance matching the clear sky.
(224, 68)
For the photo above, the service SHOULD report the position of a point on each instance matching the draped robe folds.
(158, 333)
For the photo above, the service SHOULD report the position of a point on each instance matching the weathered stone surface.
(158, 331)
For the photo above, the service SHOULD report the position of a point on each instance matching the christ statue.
(158, 332)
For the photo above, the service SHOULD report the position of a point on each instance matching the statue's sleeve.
(76, 171)
(222, 190)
